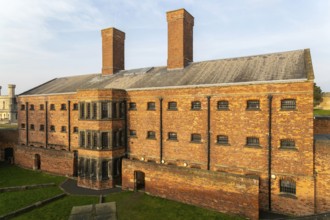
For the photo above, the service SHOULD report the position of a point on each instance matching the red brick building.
(234, 135)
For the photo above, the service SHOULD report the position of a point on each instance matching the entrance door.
(9, 154)
(37, 162)
(139, 180)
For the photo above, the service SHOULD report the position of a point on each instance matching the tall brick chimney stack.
(180, 39)
(113, 51)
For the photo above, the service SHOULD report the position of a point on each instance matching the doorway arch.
(37, 162)
(9, 154)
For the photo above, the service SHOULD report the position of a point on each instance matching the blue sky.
(41, 40)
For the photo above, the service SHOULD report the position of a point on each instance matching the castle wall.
(322, 125)
(8, 139)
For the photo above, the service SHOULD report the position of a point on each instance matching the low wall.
(52, 161)
(8, 139)
(321, 125)
(322, 167)
(222, 192)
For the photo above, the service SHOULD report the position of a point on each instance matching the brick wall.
(52, 161)
(322, 125)
(214, 190)
(8, 139)
(322, 167)
(237, 123)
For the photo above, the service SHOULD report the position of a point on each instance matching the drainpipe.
(126, 128)
(270, 99)
(69, 125)
(46, 124)
(27, 122)
(161, 127)
(208, 132)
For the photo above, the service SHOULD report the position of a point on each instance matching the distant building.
(8, 106)
(325, 103)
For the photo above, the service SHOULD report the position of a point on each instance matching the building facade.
(244, 125)
(8, 106)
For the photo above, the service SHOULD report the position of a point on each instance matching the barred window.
(132, 106)
(253, 104)
(172, 106)
(75, 129)
(222, 139)
(88, 110)
(288, 144)
(122, 110)
(42, 128)
(104, 110)
(63, 129)
(196, 138)
(196, 105)
(252, 141)
(223, 105)
(114, 110)
(75, 106)
(105, 140)
(22, 107)
(105, 170)
(94, 139)
(120, 136)
(151, 106)
(288, 104)
(63, 107)
(172, 136)
(82, 110)
(32, 126)
(23, 126)
(288, 186)
(42, 107)
(82, 139)
(81, 167)
(132, 133)
(114, 139)
(52, 107)
(94, 110)
(31, 107)
(151, 135)
(89, 139)
(52, 128)
(93, 169)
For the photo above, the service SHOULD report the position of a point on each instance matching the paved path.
(70, 187)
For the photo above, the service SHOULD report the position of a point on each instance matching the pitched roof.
(268, 67)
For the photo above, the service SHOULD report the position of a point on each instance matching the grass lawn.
(321, 112)
(15, 176)
(6, 126)
(137, 206)
(130, 205)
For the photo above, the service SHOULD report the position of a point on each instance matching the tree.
(317, 95)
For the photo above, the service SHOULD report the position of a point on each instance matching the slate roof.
(268, 67)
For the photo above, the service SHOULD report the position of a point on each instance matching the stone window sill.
(253, 109)
(196, 142)
(288, 149)
(223, 109)
(253, 146)
(288, 195)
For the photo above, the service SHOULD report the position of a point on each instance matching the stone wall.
(222, 192)
(322, 125)
(52, 161)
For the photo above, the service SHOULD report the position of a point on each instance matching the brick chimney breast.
(180, 39)
(113, 51)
